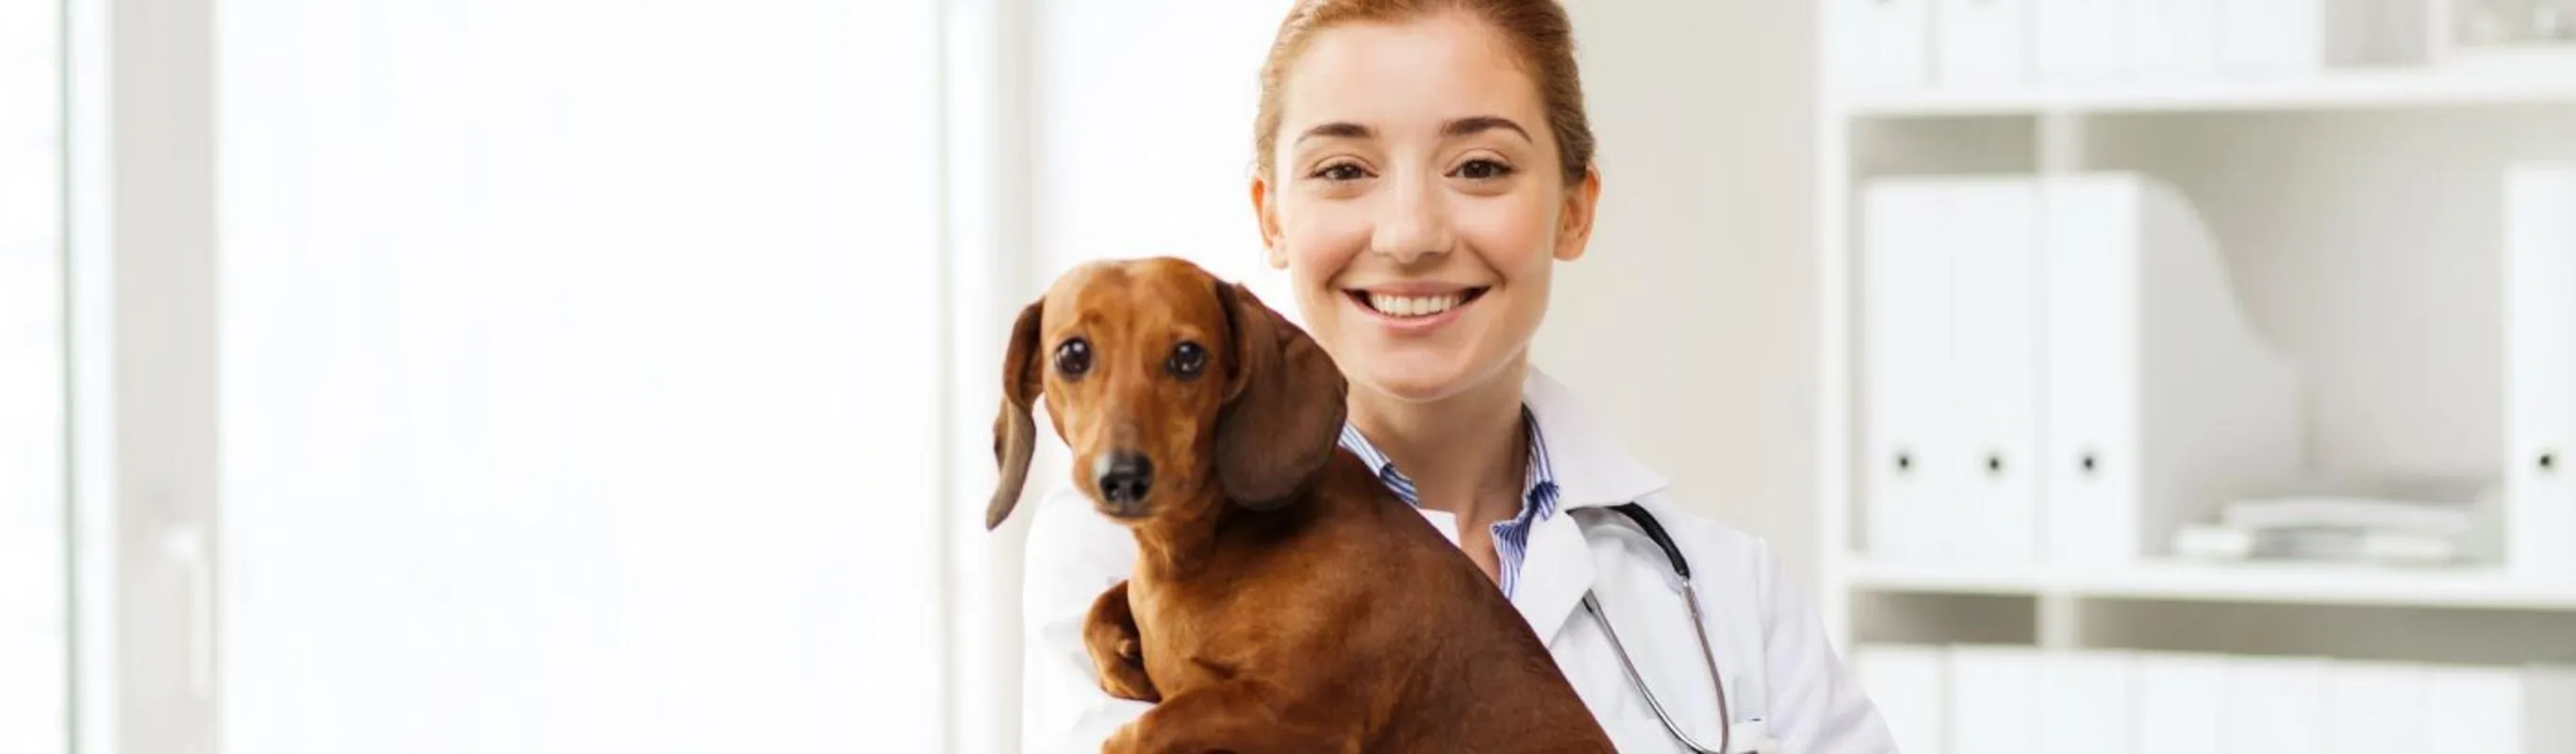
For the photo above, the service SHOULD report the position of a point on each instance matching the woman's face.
(1417, 203)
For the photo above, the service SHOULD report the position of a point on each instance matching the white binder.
(1981, 42)
(2173, 39)
(1994, 239)
(2501, 709)
(2272, 36)
(2086, 703)
(1881, 44)
(2540, 369)
(2377, 708)
(2305, 36)
(1993, 691)
(2162, 400)
(1906, 372)
(1908, 685)
(2080, 40)
(2179, 704)
(2482, 708)
(2276, 705)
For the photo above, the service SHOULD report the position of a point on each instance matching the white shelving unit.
(2368, 89)
(2297, 584)
(2342, 199)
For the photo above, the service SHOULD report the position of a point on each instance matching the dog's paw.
(1126, 679)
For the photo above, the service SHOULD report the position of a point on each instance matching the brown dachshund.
(1283, 601)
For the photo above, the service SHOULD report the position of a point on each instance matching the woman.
(1422, 166)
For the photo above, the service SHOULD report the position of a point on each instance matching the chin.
(1429, 380)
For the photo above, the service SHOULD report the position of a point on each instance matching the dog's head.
(1174, 390)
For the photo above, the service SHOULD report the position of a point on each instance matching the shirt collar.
(1538, 487)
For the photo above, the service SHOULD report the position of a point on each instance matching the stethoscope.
(1654, 530)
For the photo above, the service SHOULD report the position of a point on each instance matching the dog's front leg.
(1116, 652)
(1242, 716)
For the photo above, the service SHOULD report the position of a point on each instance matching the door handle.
(185, 547)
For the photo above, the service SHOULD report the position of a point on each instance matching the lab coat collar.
(1591, 471)
(1590, 468)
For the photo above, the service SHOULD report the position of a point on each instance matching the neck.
(1171, 547)
(1466, 453)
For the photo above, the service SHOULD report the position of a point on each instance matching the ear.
(1015, 435)
(1574, 226)
(1283, 416)
(1266, 214)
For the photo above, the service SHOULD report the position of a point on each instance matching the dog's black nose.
(1124, 478)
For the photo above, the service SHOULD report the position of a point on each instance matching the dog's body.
(1283, 600)
(1352, 614)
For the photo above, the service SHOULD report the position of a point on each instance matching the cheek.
(1515, 234)
(1322, 237)
(1321, 240)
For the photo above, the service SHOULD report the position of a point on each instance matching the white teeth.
(1414, 306)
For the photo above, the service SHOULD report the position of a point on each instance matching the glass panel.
(33, 641)
(577, 386)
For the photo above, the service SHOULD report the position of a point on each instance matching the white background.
(572, 364)
(33, 648)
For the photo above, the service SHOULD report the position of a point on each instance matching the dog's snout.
(1124, 478)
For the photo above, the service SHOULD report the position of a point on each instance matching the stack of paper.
(2338, 528)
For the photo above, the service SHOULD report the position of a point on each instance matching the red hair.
(1536, 31)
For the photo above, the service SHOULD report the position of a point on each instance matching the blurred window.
(578, 384)
(33, 640)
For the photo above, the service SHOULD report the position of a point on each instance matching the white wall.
(1691, 325)
(1144, 138)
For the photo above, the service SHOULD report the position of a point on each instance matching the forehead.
(1417, 72)
(1121, 295)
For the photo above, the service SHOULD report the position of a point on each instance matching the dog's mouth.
(1411, 306)
(1125, 514)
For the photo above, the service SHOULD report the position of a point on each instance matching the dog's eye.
(1188, 359)
(1073, 357)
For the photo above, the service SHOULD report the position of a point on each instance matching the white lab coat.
(1771, 645)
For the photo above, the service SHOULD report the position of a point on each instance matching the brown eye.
(1483, 170)
(1187, 361)
(1341, 172)
(1073, 358)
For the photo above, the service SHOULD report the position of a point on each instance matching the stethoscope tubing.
(1654, 530)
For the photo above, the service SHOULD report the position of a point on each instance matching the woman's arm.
(1816, 706)
(1073, 555)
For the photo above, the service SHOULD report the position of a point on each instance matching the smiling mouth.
(1414, 306)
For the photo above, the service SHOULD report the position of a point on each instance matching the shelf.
(2337, 90)
(2465, 588)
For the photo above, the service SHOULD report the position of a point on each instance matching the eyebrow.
(1482, 123)
(1468, 126)
(1337, 130)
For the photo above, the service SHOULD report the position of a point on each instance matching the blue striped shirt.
(1511, 537)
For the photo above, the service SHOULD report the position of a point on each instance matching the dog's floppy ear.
(1015, 435)
(1283, 415)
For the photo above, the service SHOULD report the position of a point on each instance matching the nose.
(1413, 222)
(1124, 479)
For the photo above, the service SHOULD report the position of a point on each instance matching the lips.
(1415, 304)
